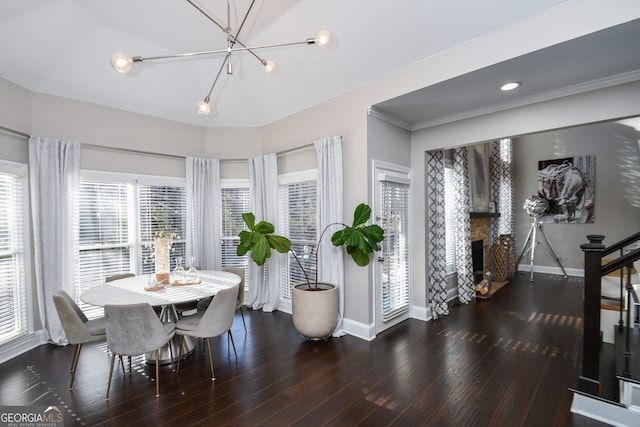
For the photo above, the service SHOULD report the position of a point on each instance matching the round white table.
(131, 290)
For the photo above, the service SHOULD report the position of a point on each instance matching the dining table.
(143, 289)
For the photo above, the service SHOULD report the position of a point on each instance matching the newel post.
(589, 380)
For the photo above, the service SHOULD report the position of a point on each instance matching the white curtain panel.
(54, 171)
(330, 211)
(464, 261)
(264, 285)
(436, 256)
(501, 178)
(204, 217)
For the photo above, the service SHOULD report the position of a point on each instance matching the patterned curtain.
(464, 263)
(435, 230)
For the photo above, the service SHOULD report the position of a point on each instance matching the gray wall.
(617, 179)
(595, 106)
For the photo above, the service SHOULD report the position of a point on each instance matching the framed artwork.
(568, 184)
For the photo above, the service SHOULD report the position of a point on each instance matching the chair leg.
(171, 355)
(74, 364)
(157, 373)
(121, 364)
(230, 335)
(243, 322)
(180, 352)
(213, 377)
(113, 358)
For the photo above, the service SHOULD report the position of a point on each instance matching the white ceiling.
(62, 47)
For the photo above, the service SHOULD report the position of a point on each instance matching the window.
(235, 201)
(163, 210)
(104, 235)
(298, 223)
(13, 294)
(394, 213)
(450, 212)
(118, 217)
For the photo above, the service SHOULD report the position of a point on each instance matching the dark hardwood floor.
(506, 361)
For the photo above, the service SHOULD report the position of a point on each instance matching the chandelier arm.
(217, 76)
(246, 15)
(213, 52)
(234, 39)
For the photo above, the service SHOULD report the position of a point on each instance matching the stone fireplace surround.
(480, 230)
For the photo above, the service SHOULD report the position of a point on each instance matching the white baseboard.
(358, 329)
(548, 269)
(604, 412)
(22, 345)
(421, 313)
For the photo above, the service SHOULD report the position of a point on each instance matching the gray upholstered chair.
(118, 277)
(239, 271)
(135, 329)
(213, 322)
(78, 329)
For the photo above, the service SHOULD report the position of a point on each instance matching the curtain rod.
(15, 132)
(151, 153)
(132, 151)
(291, 150)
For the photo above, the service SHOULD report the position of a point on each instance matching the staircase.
(607, 386)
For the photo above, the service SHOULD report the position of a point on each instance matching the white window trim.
(24, 342)
(300, 176)
(234, 183)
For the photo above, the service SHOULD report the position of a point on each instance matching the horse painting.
(568, 192)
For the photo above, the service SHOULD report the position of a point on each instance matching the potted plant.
(314, 304)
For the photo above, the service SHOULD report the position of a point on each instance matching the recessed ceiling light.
(510, 86)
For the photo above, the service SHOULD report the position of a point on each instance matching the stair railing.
(594, 251)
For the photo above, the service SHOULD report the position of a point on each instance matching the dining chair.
(77, 328)
(213, 322)
(135, 329)
(118, 277)
(240, 272)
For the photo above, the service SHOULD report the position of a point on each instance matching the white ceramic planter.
(315, 313)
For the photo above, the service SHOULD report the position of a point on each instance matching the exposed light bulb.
(121, 62)
(269, 67)
(510, 86)
(323, 38)
(203, 107)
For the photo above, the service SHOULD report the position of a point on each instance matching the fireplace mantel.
(484, 214)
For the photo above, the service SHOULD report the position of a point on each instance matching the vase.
(179, 273)
(162, 248)
(315, 312)
(192, 275)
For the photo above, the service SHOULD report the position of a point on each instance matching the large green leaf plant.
(359, 239)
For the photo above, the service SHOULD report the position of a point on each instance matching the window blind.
(162, 212)
(298, 223)
(104, 244)
(235, 201)
(450, 212)
(13, 302)
(395, 248)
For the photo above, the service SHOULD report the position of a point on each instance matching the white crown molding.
(374, 112)
(576, 89)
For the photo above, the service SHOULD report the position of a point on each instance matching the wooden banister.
(594, 251)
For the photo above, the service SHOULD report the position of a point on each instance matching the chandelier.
(123, 63)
